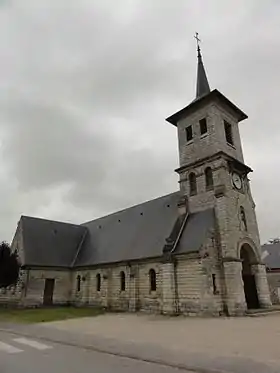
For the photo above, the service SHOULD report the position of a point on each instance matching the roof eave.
(21, 231)
(49, 267)
(174, 118)
(215, 156)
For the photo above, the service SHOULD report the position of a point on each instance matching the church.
(193, 252)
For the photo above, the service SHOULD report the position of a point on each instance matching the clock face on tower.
(237, 182)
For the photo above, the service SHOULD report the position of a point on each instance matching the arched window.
(153, 280)
(243, 218)
(98, 282)
(122, 277)
(78, 283)
(214, 283)
(209, 178)
(193, 187)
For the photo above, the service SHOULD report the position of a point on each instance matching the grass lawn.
(36, 315)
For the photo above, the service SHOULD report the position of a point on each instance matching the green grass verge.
(37, 315)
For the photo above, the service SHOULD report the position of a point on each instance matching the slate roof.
(196, 230)
(202, 100)
(138, 232)
(202, 85)
(271, 255)
(50, 243)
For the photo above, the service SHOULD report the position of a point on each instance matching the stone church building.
(195, 251)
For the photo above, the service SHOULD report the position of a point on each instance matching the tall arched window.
(78, 283)
(209, 178)
(193, 186)
(122, 277)
(243, 218)
(153, 280)
(98, 282)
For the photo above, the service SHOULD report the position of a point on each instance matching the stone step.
(263, 312)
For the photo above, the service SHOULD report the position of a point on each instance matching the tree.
(9, 266)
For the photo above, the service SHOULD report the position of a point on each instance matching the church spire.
(202, 85)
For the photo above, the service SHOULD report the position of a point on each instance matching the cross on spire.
(202, 85)
(197, 43)
(197, 39)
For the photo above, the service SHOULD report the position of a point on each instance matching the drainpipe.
(183, 208)
(177, 307)
(25, 285)
(223, 285)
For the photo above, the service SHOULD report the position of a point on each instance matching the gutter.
(26, 285)
(179, 234)
(175, 263)
(79, 249)
(224, 291)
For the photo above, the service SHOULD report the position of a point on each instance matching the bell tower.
(209, 139)
(213, 174)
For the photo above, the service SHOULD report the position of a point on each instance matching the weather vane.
(198, 45)
(197, 40)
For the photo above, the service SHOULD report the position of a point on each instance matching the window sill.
(153, 294)
(231, 145)
(189, 142)
(193, 194)
(204, 135)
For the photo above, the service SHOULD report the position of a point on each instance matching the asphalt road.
(20, 354)
(39, 348)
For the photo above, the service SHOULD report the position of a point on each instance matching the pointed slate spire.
(202, 85)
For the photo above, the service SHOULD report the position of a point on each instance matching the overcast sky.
(86, 85)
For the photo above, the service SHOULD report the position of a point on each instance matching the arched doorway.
(248, 258)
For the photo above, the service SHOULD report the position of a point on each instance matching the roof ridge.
(130, 207)
(48, 220)
(79, 248)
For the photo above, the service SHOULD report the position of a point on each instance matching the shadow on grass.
(37, 315)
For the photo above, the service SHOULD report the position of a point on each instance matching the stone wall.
(233, 235)
(192, 157)
(204, 198)
(212, 142)
(274, 286)
(150, 301)
(109, 295)
(14, 295)
(192, 294)
(35, 285)
(182, 286)
(194, 280)
(232, 232)
(135, 296)
(199, 290)
(235, 296)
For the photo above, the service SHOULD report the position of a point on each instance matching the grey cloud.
(85, 88)
(46, 145)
